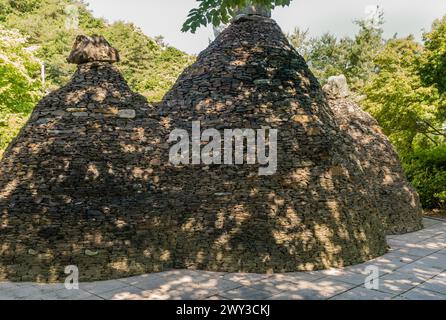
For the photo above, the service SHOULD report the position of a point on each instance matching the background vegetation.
(401, 82)
(33, 32)
(217, 12)
(20, 86)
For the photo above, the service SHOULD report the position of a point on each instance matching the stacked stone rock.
(95, 48)
(317, 211)
(397, 201)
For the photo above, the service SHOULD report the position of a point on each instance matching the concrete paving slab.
(318, 290)
(361, 293)
(245, 293)
(436, 284)
(421, 294)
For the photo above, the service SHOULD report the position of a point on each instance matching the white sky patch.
(371, 11)
(155, 17)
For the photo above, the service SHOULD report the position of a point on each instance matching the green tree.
(410, 114)
(46, 26)
(328, 56)
(150, 68)
(354, 57)
(397, 98)
(216, 12)
(427, 171)
(16, 6)
(300, 39)
(20, 87)
(50, 27)
(363, 49)
(19, 73)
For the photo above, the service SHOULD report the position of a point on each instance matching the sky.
(166, 17)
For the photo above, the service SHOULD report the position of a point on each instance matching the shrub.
(427, 171)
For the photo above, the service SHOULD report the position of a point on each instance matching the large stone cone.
(78, 181)
(316, 211)
(397, 201)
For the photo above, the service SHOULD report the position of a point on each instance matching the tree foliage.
(397, 97)
(50, 27)
(150, 68)
(433, 61)
(216, 12)
(20, 87)
(45, 22)
(19, 71)
(427, 171)
(402, 84)
(329, 56)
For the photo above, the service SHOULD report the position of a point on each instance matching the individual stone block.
(127, 113)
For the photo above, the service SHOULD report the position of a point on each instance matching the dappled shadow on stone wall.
(397, 201)
(78, 179)
(87, 182)
(316, 211)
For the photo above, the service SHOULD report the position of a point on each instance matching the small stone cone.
(398, 202)
(89, 49)
(80, 178)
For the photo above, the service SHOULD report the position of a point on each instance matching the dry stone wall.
(78, 184)
(315, 212)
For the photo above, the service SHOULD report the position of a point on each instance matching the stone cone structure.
(78, 179)
(317, 210)
(397, 201)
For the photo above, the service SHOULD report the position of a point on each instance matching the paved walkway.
(415, 268)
